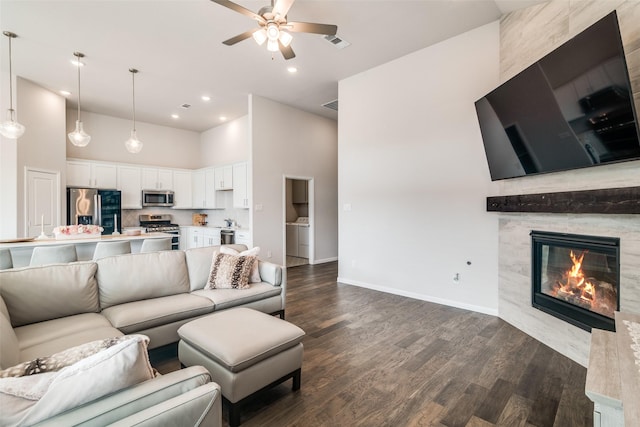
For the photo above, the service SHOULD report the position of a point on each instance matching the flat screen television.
(571, 109)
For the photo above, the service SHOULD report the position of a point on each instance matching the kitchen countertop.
(54, 241)
(218, 227)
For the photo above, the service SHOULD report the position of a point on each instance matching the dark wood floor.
(375, 359)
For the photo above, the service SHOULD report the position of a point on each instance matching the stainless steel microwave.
(157, 198)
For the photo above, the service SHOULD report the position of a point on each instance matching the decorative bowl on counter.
(132, 231)
(86, 231)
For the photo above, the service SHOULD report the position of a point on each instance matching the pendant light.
(133, 144)
(79, 137)
(11, 128)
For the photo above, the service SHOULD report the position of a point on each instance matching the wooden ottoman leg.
(234, 412)
(297, 376)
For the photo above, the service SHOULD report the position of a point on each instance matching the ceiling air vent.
(332, 105)
(185, 106)
(337, 41)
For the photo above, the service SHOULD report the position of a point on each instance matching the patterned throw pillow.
(230, 271)
(57, 361)
(254, 277)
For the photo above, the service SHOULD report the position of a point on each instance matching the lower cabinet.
(198, 237)
(243, 237)
(292, 240)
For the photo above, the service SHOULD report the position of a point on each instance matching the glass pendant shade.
(272, 45)
(285, 38)
(10, 128)
(79, 137)
(133, 144)
(260, 36)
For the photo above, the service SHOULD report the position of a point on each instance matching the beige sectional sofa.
(45, 310)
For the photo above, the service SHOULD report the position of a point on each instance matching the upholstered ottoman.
(245, 351)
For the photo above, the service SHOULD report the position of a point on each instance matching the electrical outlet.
(456, 278)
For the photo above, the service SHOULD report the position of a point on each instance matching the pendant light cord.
(133, 93)
(10, 36)
(78, 65)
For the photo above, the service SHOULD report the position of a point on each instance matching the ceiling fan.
(274, 27)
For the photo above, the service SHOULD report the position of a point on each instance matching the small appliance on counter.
(94, 206)
(199, 219)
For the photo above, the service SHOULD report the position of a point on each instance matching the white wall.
(8, 172)
(412, 170)
(42, 112)
(225, 144)
(289, 142)
(163, 145)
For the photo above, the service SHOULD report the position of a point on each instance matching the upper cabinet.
(300, 191)
(204, 194)
(224, 177)
(157, 179)
(240, 186)
(182, 187)
(91, 174)
(130, 186)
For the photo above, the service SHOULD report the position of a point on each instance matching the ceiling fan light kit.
(79, 137)
(274, 27)
(11, 128)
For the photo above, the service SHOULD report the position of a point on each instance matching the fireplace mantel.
(624, 200)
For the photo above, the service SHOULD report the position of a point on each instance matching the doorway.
(298, 221)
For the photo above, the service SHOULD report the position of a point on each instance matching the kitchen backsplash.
(215, 217)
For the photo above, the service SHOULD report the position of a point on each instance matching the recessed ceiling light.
(223, 118)
(65, 93)
(292, 70)
(175, 116)
(77, 63)
(206, 98)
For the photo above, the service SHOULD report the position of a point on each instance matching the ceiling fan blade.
(287, 52)
(282, 7)
(240, 37)
(309, 27)
(236, 7)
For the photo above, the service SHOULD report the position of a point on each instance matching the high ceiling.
(177, 46)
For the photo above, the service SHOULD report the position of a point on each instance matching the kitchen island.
(21, 248)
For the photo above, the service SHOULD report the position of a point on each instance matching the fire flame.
(576, 282)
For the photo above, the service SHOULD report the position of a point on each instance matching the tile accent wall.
(526, 36)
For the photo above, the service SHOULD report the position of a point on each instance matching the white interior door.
(43, 201)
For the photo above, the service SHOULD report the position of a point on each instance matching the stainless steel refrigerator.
(95, 206)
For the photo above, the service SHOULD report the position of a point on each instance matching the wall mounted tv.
(571, 109)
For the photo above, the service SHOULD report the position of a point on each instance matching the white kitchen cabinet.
(211, 237)
(198, 189)
(195, 238)
(243, 237)
(211, 198)
(157, 179)
(130, 186)
(182, 188)
(240, 186)
(292, 240)
(91, 174)
(224, 177)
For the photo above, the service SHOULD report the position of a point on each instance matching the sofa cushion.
(199, 264)
(140, 315)
(9, 350)
(28, 400)
(141, 276)
(35, 294)
(41, 339)
(226, 298)
(230, 271)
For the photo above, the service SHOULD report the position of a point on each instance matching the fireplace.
(576, 278)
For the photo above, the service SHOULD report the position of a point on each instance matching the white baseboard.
(422, 297)
(322, 261)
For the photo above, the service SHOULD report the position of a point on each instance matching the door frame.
(312, 222)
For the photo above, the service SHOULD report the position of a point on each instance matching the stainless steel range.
(161, 224)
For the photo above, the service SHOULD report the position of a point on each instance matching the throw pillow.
(230, 271)
(255, 271)
(32, 398)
